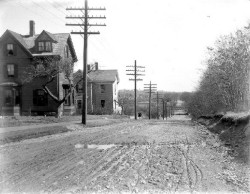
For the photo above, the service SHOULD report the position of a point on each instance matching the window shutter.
(15, 70)
(5, 50)
(15, 49)
(5, 73)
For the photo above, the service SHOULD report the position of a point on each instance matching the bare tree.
(48, 69)
(225, 83)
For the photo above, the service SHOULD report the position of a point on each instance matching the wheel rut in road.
(145, 156)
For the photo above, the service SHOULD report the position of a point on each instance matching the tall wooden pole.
(149, 108)
(157, 105)
(163, 109)
(135, 90)
(85, 25)
(166, 109)
(136, 69)
(85, 55)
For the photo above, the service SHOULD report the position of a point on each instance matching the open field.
(130, 156)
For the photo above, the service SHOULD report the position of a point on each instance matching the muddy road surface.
(153, 156)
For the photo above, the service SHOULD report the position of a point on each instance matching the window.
(40, 46)
(48, 46)
(10, 49)
(67, 100)
(102, 88)
(40, 98)
(8, 97)
(66, 51)
(10, 70)
(102, 103)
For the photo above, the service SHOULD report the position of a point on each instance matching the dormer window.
(44, 46)
(10, 49)
(48, 46)
(40, 46)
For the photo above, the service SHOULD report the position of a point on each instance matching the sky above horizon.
(168, 37)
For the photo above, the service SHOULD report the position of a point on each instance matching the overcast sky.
(168, 37)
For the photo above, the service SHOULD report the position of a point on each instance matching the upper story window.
(45, 46)
(10, 49)
(48, 46)
(102, 88)
(40, 46)
(66, 51)
(10, 70)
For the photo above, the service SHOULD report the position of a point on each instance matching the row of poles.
(137, 71)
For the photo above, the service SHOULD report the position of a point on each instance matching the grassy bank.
(233, 129)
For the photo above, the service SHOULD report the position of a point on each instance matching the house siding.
(23, 60)
(107, 96)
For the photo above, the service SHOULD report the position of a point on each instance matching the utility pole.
(163, 108)
(157, 102)
(135, 72)
(149, 88)
(166, 108)
(85, 18)
(158, 97)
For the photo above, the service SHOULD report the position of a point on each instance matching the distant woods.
(224, 85)
(126, 101)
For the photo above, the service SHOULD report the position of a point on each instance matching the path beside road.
(35, 126)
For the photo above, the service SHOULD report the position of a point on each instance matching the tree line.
(224, 85)
(126, 101)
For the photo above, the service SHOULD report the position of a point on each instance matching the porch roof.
(9, 84)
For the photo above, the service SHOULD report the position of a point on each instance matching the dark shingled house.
(16, 53)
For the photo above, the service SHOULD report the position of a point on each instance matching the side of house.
(102, 92)
(17, 53)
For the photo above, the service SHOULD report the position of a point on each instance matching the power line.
(150, 88)
(48, 11)
(85, 21)
(36, 13)
(135, 71)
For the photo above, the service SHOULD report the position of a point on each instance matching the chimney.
(88, 67)
(32, 28)
(96, 66)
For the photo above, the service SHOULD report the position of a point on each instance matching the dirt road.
(134, 156)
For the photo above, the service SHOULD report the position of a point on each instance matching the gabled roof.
(28, 43)
(19, 39)
(77, 75)
(99, 76)
(104, 76)
(51, 36)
